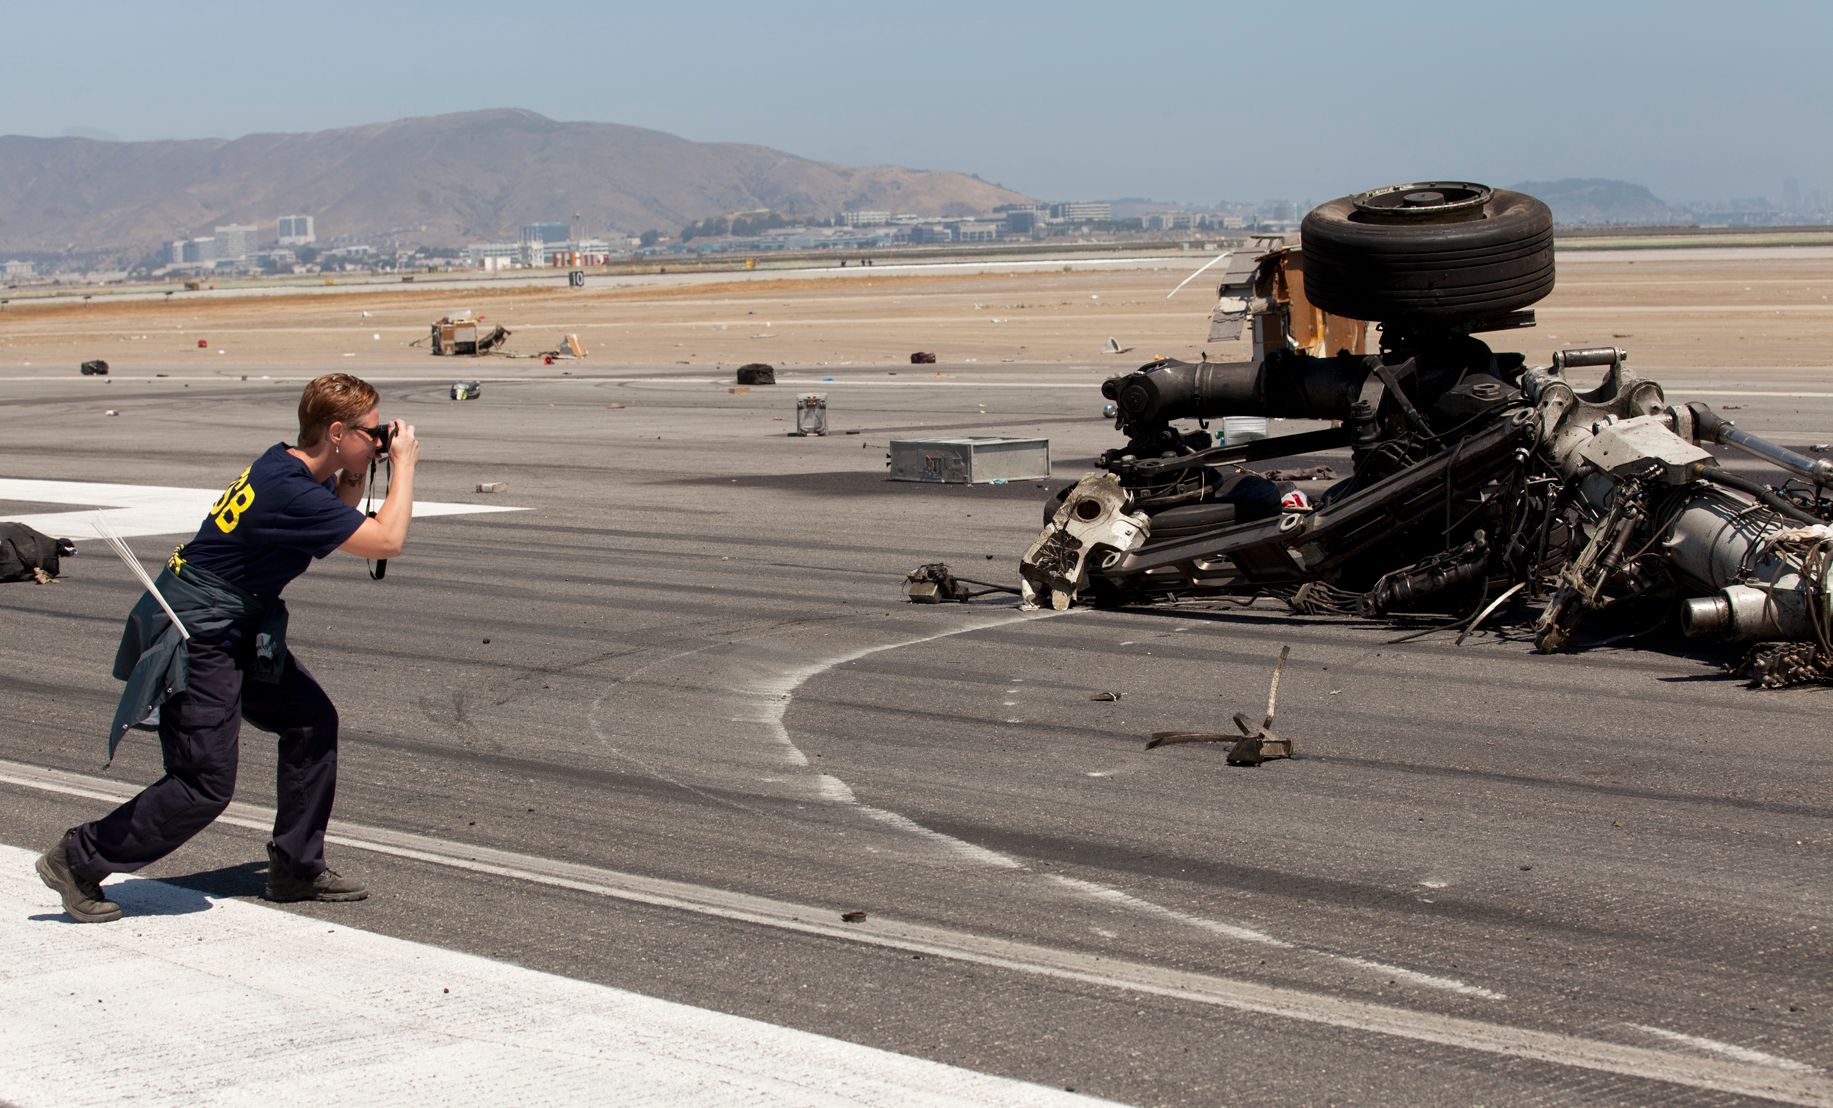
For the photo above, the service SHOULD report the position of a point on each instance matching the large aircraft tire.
(1437, 251)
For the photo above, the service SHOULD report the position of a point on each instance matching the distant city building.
(19, 271)
(236, 240)
(1171, 221)
(571, 255)
(540, 234)
(175, 252)
(1083, 211)
(865, 219)
(295, 230)
(974, 230)
(206, 249)
(1021, 221)
(479, 253)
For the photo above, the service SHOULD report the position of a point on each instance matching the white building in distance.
(236, 240)
(295, 230)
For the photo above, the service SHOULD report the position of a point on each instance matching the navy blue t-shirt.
(269, 524)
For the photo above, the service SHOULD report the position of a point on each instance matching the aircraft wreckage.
(1481, 486)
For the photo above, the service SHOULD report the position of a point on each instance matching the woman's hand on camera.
(403, 447)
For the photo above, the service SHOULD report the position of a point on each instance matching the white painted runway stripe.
(189, 1001)
(1739, 1077)
(139, 510)
(774, 693)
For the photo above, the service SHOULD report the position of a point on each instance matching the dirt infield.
(1727, 310)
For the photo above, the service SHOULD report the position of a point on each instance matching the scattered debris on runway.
(811, 414)
(757, 373)
(934, 584)
(27, 554)
(969, 459)
(1255, 744)
(94, 368)
(459, 333)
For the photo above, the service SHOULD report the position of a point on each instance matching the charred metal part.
(1778, 665)
(1095, 517)
(1256, 743)
(1260, 743)
(1284, 385)
(934, 584)
(461, 333)
(1406, 590)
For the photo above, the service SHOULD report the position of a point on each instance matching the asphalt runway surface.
(662, 727)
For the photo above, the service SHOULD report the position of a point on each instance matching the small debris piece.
(1169, 738)
(493, 486)
(1315, 473)
(111, 411)
(756, 373)
(466, 390)
(614, 407)
(923, 357)
(736, 389)
(1106, 696)
(1255, 744)
(203, 344)
(1821, 447)
(934, 584)
(1250, 751)
(853, 917)
(95, 368)
(1779, 665)
(1113, 347)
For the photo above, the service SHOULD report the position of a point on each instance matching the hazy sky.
(1062, 100)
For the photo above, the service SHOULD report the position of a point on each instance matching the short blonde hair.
(333, 398)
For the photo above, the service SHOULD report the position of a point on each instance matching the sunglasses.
(379, 434)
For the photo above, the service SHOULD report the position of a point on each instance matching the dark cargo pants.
(199, 731)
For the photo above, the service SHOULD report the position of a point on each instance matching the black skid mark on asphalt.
(516, 685)
(457, 721)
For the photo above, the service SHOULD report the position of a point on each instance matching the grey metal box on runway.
(970, 460)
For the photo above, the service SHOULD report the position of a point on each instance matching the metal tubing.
(1712, 427)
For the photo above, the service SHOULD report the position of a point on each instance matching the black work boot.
(83, 900)
(284, 888)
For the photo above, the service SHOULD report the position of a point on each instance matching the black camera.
(381, 434)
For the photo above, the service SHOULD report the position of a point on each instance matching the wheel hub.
(1423, 202)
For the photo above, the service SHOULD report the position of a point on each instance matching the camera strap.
(378, 569)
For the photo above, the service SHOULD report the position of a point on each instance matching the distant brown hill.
(439, 179)
(1597, 201)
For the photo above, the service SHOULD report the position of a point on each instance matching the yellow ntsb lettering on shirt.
(236, 499)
